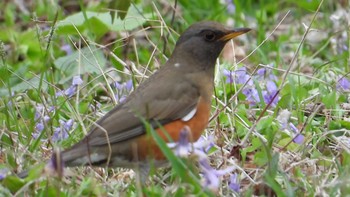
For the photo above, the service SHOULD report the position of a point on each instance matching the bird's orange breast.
(147, 147)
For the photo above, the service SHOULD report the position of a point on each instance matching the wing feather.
(160, 103)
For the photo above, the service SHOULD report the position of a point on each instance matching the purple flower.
(37, 115)
(210, 179)
(229, 75)
(344, 47)
(343, 84)
(39, 110)
(293, 128)
(46, 118)
(261, 72)
(66, 48)
(3, 173)
(68, 125)
(55, 165)
(41, 118)
(270, 93)
(252, 95)
(239, 76)
(59, 93)
(231, 8)
(266, 73)
(271, 86)
(39, 127)
(234, 184)
(183, 147)
(264, 76)
(269, 96)
(203, 144)
(283, 118)
(121, 99)
(210, 176)
(69, 92)
(129, 85)
(118, 85)
(9, 103)
(126, 85)
(123, 90)
(61, 132)
(77, 80)
(298, 139)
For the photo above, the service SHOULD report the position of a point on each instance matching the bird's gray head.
(204, 41)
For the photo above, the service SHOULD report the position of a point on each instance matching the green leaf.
(24, 85)
(260, 158)
(271, 173)
(86, 60)
(121, 7)
(13, 183)
(329, 99)
(35, 172)
(256, 143)
(265, 124)
(132, 20)
(345, 124)
(273, 165)
(274, 185)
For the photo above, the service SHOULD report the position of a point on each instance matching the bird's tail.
(54, 166)
(78, 155)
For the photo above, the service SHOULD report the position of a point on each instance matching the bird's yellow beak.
(234, 33)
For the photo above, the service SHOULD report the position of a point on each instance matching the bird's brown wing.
(159, 103)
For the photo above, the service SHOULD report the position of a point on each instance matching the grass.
(304, 51)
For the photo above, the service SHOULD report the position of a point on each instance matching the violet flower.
(61, 133)
(283, 118)
(270, 92)
(264, 76)
(229, 75)
(69, 92)
(234, 184)
(41, 118)
(231, 8)
(211, 176)
(184, 148)
(239, 76)
(298, 138)
(252, 96)
(343, 84)
(3, 173)
(67, 48)
(123, 89)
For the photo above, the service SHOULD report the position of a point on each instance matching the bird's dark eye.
(209, 36)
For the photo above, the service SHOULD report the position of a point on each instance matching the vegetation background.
(280, 113)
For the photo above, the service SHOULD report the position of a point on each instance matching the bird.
(177, 95)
